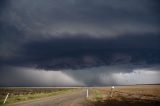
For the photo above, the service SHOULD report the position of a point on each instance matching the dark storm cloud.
(58, 34)
(96, 18)
(3, 3)
(82, 52)
(79, 42)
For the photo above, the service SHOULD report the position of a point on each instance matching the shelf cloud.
(75, 36)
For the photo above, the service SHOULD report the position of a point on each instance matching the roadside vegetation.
(21, 94)
(96, 95)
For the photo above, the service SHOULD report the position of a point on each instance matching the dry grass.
(137, 94)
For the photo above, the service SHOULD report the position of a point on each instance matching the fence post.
(87, 93)
(112, 91)
(5, 99)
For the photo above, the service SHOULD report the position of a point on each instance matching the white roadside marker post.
(5, 99)
(87, 93)
(112, 91)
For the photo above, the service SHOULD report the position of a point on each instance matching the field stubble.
(139, 95)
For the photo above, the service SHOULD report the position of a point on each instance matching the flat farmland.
(133, 95)
(136, 95)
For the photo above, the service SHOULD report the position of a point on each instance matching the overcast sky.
(79, 42)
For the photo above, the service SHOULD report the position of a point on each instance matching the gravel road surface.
(76, 98)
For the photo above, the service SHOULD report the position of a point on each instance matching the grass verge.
(96, 95)
(23, 97)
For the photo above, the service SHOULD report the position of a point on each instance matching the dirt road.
(76, 98)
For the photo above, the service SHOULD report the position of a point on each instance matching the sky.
(79, 42)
